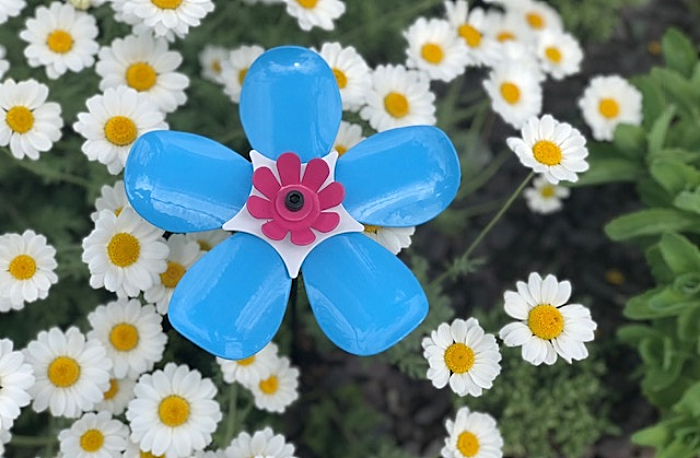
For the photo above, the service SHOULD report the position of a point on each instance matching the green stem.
(32, 441)
(73, 179)
(232, 414)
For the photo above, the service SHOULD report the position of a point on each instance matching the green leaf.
(633, 334)
(610, 170)
(678, 90)
(674, 176)
(653, 98)
(687, 284)
(657, 134)
(679, 52)
(661, 272)
(630, 140)
(652, 194)
(688, 201)
(654, 221)
(680, 255)
(653, 436)
(689, 324)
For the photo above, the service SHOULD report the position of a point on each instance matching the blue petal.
(232, 301)
(183, 182)
(364, 298)
(399, 177)
(290, 102)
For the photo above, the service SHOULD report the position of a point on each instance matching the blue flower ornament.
(296, 206)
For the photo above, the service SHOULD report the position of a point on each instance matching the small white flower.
(351, 73)
(506, 28)
(552, 148)
(263, 443)
(609, 101)
(16, 377)
(276, 392)
(27, 266)
(114, 121)
(547, 327)
(85, 4)
(124, 253)
(235, 67)
(251, 370)
(183, 254)
(71, 373)
(4, 64)
(472, 435)
(117, 396)
(28, 123)
(94, 436)
(174, 412)
(398, 98)
(393, 239)
(112, 198)
(349, 135)
(538, 16)
(131, 334)
(315, 13)
(463, 355)
(516, 94)
(5, 437)
(471, 26)
(211, 59)
(208, 239)
(559, 53)
(168, 16)
(10, 8)
(545, 197)
(435, 48)
(61, 39)
(146, 65)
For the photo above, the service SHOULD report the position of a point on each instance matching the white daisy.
(559, 53)
(470, 26)
(516, 95)
(71, 373)
(538, 16)
(609, 101)
(545, 197)
(552, 148)
(124, 253)
(276, 392)
(10, 8)
(94, 436)
(472, 435)
(146, 65)
(174, 412)
(131, 334)
(547, 326)
(235, 67)
(506, 28)
(16, 378)
(27, 266)
(28, 123)
(211, 59)
(462, 355)
(61, 39)
(349, 135)
(393, 239)
(435, 48)
(208, 239)
(251, 370)
(112, 198)
(168, 16)
(85, 4)
(351, 73)
(4, 64)
(398, 98)
(263, 443)
(315, 13)
(114, 121)
(183, 254)
(5, 437)
(117, 396)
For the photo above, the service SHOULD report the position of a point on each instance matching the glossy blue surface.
(183, 182)
(290, 102)
(232, 301)
(364, 298)
(399, 177)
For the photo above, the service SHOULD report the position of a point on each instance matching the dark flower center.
(294, 201)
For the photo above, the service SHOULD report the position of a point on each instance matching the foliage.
(592, 20)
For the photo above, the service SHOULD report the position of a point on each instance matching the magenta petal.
(326, 222)
(331, 195)
(274, 230)
(266, 182)
(303, 236)
(315, 174)
(258, 207)
(289, 168)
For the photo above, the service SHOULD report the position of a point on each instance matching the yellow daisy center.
(432, 53)
(535, 20)
(547, 191)
(173, 410)
(510, 93)
(204, 245)
(59, 41)
(143, 454)
(396, 104)
(123, 250)
(467, 444)
(270, 385)
(547, 152)
(341, 150)
(112, 390)
(545, 321)
(216, 66)
(614, 277)
(141, 76)
(120, 131)
(241, 75)
(471, 36)
(459, 358)
(172, 275)
(124, 337)
(63, 371)
(553, 54)
(372, 229)
(118, 210)
(340, 78)
(167, 4)
(505, 36)
(20, 119)
(92, 440)
(308, 4)
(609, 108)
(246, 361)
(23, 267)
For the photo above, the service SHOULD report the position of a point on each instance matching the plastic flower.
(277, 391)
(263, 443)
(545, 197)
(94, 436)
(351, 73)
(297, 203)
(235, 67)
(472, 435)
(609, 101)
(435, 49)
(547, 327)
(559, 53)
(17, 377)
(10, 8)
(168, 16)
(393, 239)
(251, 370)
(315, 13)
